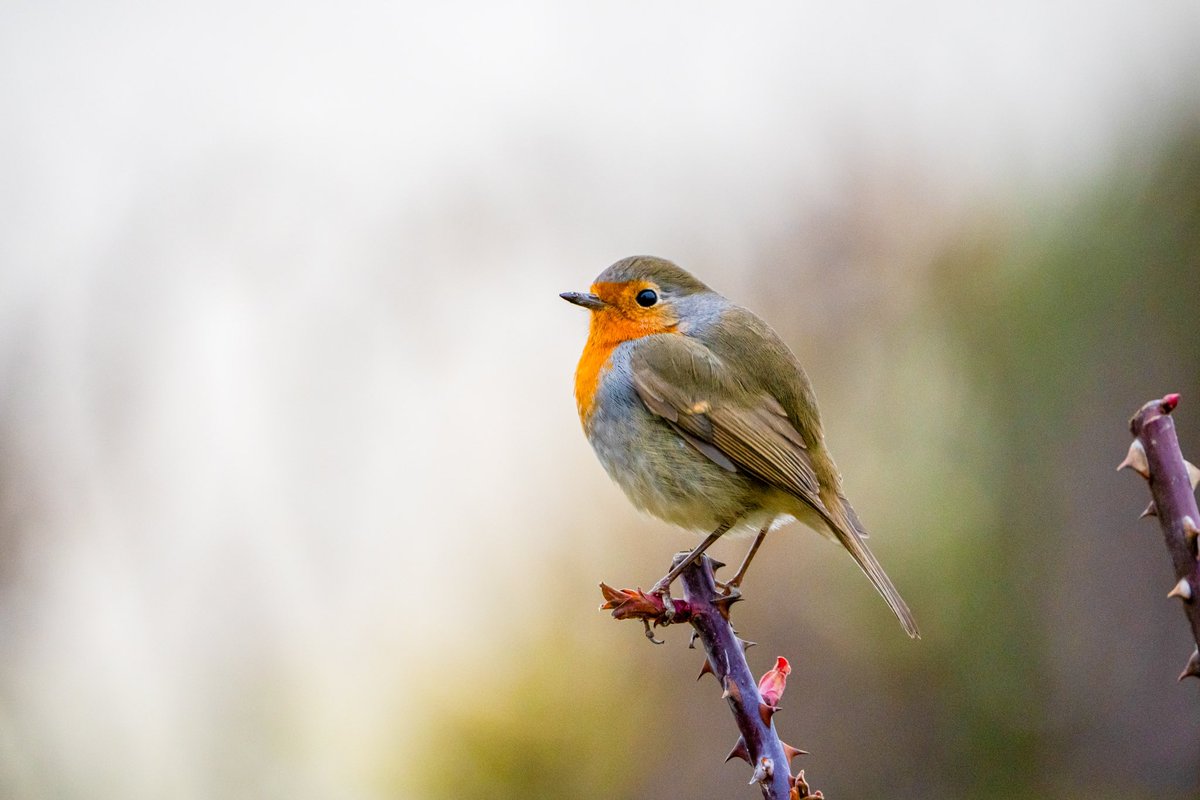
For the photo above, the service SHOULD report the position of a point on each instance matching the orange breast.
(587, 375)
(607, 331)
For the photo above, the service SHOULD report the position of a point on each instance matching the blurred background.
(293, 498)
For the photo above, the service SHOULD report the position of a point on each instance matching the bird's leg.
(735, 582)
(663, 587)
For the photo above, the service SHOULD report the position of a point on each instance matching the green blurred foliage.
(1065, 323)
(551, 718)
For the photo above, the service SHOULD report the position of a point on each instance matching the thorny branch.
(1155, 455)
(753, 705)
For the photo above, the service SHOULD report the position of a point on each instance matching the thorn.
(716, 565)
(1190, 531)
(706, 670)
(739, 751)
(1136, 459)
(1193, 666)
(1193, 474)
(792, 752)
(1182, 590)
(731, 690)
(723, 603)
(1169, 402)
(746, 645)
(1151, 511)
(762, 772)
(765, 712)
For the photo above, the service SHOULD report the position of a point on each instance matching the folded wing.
(743, 428)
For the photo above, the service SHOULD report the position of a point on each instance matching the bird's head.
(638, 296)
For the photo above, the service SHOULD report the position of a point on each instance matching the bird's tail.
(848, 531)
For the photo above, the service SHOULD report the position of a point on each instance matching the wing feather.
(680, 380)
(746, 429)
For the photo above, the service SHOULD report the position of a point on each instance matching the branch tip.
(636, 604)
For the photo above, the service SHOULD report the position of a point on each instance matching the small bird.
(704, 417)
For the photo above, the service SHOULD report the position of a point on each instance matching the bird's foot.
(730, 592)
(662, 590)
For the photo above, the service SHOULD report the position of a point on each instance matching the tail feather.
(868, 563)
(848, 531)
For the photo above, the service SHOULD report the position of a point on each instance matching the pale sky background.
(280, 347)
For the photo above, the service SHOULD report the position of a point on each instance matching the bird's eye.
(646, 298)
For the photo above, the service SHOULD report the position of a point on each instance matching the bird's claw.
(663, 592)
(730, 590)
(668, 615)
(650, 633)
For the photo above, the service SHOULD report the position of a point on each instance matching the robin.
(705, 419)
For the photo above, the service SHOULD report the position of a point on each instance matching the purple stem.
(1174, 503)
(727, 658)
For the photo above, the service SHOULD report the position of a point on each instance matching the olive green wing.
(745, 428)
(682, 381)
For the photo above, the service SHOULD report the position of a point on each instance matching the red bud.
(772, 684)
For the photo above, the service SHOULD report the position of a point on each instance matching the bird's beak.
(587, 300)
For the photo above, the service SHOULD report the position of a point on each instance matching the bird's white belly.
(665, 476)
